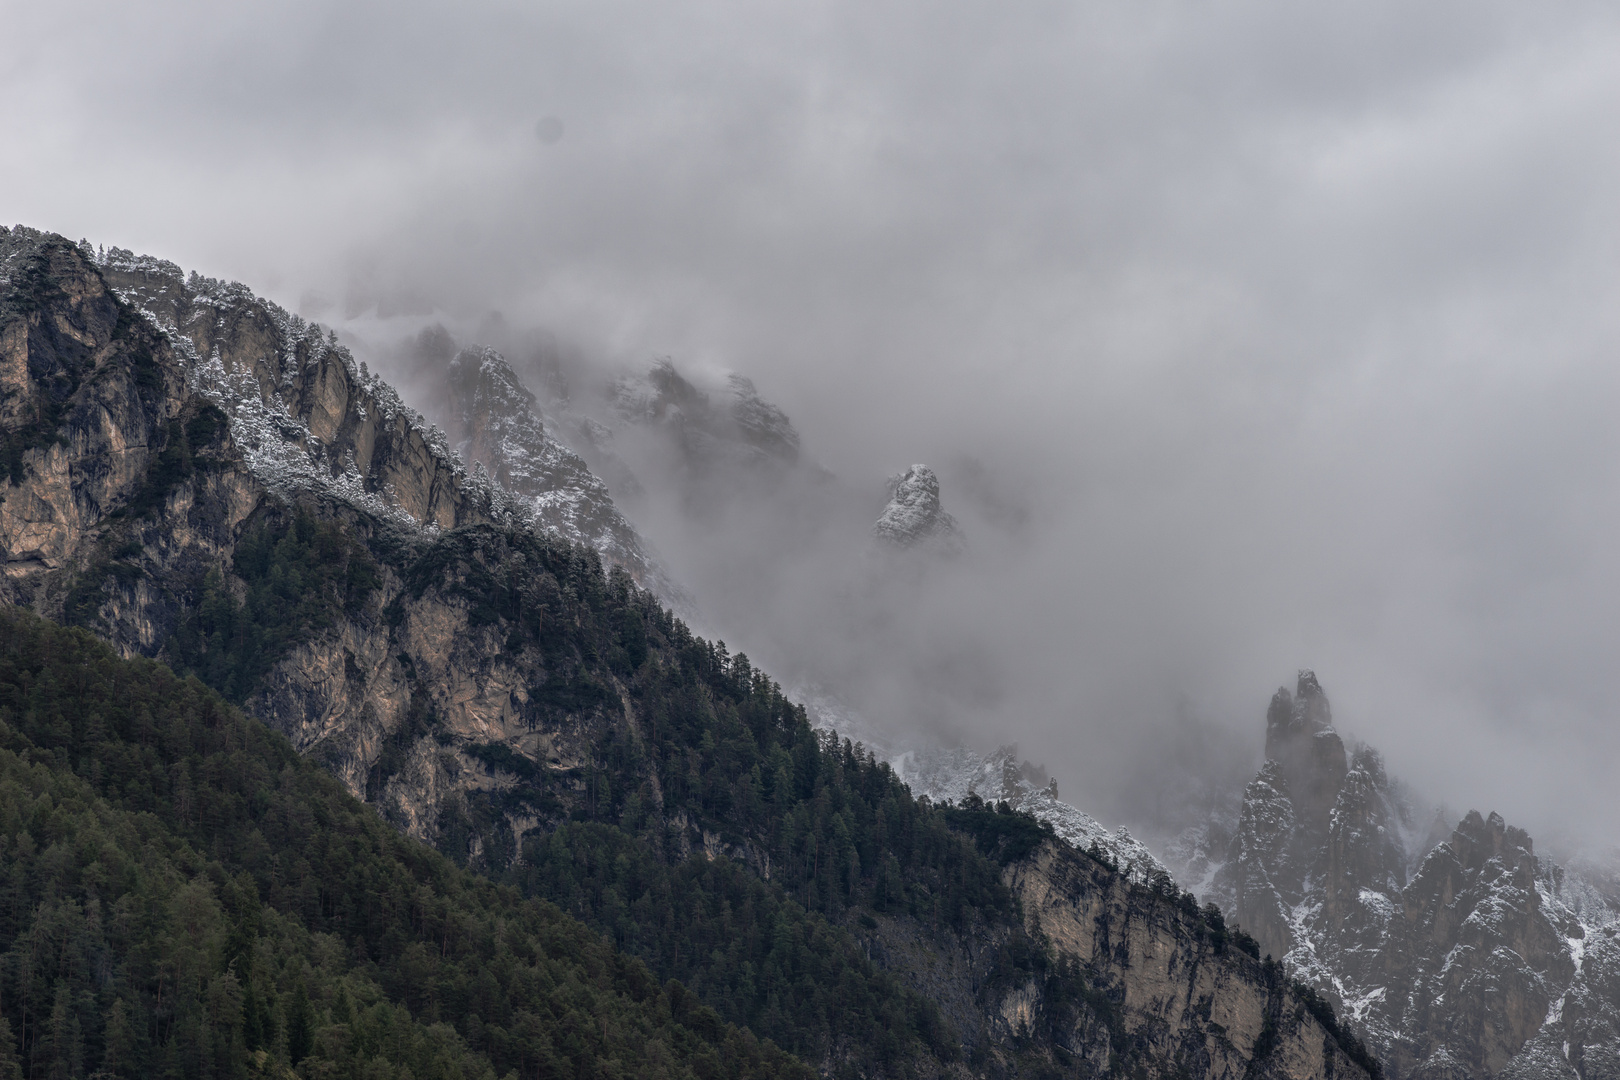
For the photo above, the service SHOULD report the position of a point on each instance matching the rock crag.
(914, 516)
(495, 422)
(179, 452)
(1456, 954)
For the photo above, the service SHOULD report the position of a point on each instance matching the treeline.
(834, 839)
(714, 744)
(821, 839)
(184, 896)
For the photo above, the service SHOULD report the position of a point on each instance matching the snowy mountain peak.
(1484, 961)
(762, 425)
(496, 422)
(915, 517)
(305, 416)
(727, 426)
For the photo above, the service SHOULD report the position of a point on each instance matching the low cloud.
(1280, 337)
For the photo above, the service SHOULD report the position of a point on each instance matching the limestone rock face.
(306, 418)
(1188, 1002)
(914, 517)
(1456, 955)
(152, 419)
(496, 422)
(96, 419)
(153, 422)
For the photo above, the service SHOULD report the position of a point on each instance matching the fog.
(1278, 337)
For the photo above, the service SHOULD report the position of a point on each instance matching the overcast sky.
(1294, 326)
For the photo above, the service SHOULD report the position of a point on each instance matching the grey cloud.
(1288, 332)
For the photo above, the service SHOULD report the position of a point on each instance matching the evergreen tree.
(169, 868)
(300, 1025)
(10, 1067)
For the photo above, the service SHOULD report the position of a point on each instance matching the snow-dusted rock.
(1466, 957)
(914, 517)
(305, 416)
(951, 774)
(496, 423)
(730, 427)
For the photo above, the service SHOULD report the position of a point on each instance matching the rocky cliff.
(495, 422)
(1456, 954)
(915, 517)
(1178, 988)
(1147, 984)
(197, 475)
(155, 420)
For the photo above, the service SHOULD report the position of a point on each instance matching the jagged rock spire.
(915, 516)
(1300, 738)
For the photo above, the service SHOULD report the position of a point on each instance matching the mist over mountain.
(216, 487)
(1286, 334)
(200, 476)
(1028, 391)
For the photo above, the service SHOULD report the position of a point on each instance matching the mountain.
(201, 479)
(739, 432)
(703, 441)
(953, 774)
(495, 422)
(914, 517)
(186, 896)
(1456, 951)
(570, 445)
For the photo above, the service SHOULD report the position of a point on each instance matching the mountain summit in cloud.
(496, 423)
(206, 482)
(915, 518)
(1457, 951)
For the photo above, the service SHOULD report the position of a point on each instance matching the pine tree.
(300, 1026)
(119, 1057)
(10, 1067)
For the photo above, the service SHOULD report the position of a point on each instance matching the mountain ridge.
(1455, 955)
(225, 488)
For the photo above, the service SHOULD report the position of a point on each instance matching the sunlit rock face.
(1461, 954)
(915, 518)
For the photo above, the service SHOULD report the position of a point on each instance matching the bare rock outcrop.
(1180, 994)
(495, 421)
(915, 517)
(1454, 955)
(169, 438)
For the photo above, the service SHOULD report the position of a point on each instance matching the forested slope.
(185, 895)
(196, 476)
